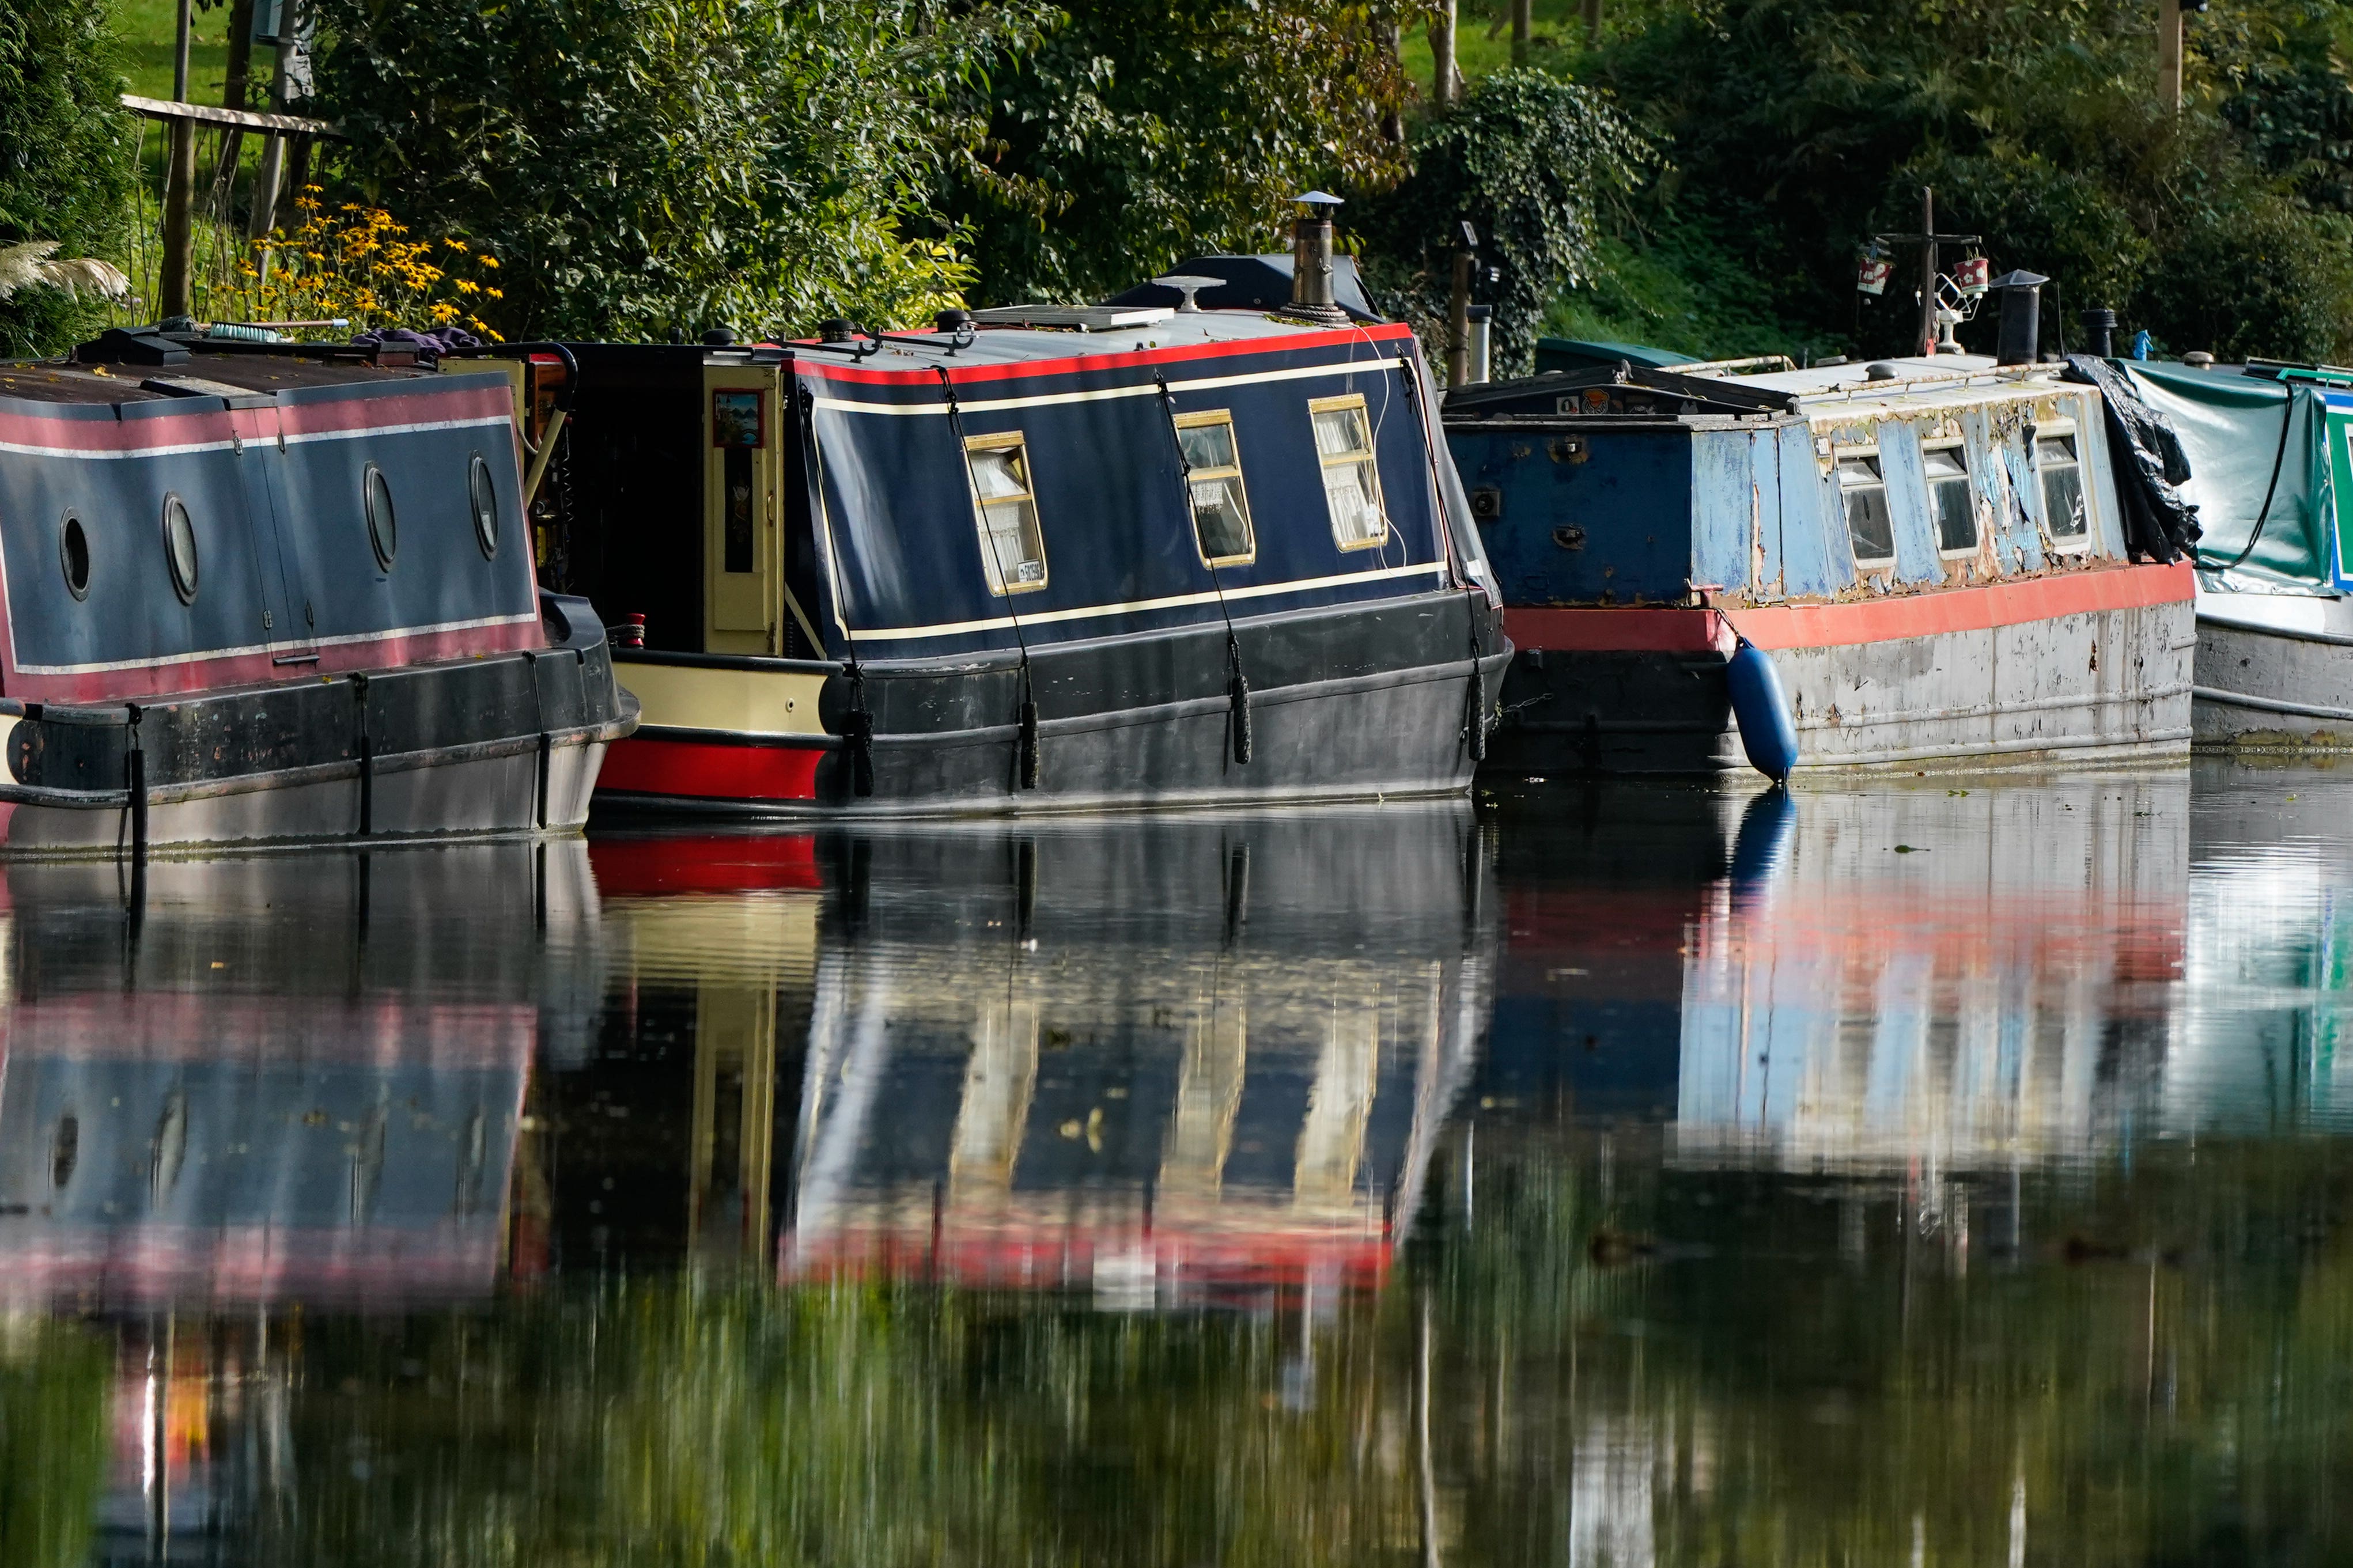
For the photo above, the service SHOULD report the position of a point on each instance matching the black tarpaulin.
(2150, 465)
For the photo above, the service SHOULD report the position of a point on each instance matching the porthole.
(383, 529)
(486, 507)
(73, 554)
(180, 549)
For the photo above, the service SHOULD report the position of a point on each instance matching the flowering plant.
(359, 264)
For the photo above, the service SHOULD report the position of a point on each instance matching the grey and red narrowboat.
(1947, 560)
(270, 591)
(1052, 559)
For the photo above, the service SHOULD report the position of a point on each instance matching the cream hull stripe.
(250, 649)
(1179, 601)
(21, 449)
(1047, 400)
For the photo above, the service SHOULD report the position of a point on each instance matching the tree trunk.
(1592, 24)
(240, 68)
(1522, 27)
(1441, 53)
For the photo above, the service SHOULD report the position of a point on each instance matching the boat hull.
(507, 744)
(1979, 680)
(1360, 704)
(2274, 673)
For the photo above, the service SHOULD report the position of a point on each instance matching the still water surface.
(1897, 1175)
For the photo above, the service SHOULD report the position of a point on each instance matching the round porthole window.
(486, 507)
(180, 549)
(73, 554)
(383, 529)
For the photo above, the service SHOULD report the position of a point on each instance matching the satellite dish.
(1188, 285)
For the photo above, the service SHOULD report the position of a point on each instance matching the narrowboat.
(1043, 558)
(2271, 471)
(256, 591)
(1948, 560)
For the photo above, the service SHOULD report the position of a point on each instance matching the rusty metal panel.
(1722, 538)
(1907, 502)
(1816, 563)
(2018, 504)
(1765, 514)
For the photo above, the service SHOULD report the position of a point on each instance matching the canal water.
(1908, 1172)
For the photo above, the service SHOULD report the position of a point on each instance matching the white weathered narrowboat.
(271, 592)
(2269, 450)
(1047, 559)
(1939, 555)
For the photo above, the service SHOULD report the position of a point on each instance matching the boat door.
(743, 494)
(287, 619)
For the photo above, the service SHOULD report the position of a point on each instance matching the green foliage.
(1129, 140)
(646, 164)
(54, 1383)
(2037, 127)
(64, 158)
(1531, 162)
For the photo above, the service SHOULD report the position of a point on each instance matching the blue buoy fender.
(1766, 733)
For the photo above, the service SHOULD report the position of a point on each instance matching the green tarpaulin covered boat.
(2271, 472)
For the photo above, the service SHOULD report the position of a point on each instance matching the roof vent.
(1880, 370)
(1311, 260)
(718, 338)
(837, 330)
(950, 321)
(127, 345)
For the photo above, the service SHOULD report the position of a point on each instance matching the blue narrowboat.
(1942, 558)
(270, 591)
(1041, 559)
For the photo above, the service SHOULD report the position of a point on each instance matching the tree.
(1531, 162)
(645, 166)
(1118, 146)
(65, 159)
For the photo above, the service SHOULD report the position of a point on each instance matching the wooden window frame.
(1371, 459)
(1969, 480)
(1201, 420)
(1840, 458)
(1005, 440)
(2071, 544)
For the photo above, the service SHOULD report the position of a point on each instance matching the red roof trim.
(1387, 333)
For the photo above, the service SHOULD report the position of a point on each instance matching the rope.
(1030, 767)
(2287, 418)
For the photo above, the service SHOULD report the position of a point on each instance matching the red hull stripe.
(741, 863)
(1285, 344)
(198, 674)
(349, 415)
(1676, 630)
(697, 770)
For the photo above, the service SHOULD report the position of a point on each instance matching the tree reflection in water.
(2023, 1242)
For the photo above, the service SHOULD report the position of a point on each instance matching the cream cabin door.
(743, 495)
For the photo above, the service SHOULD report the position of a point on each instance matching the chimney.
(2100, 327)
(1311, 260)
(2019, 338)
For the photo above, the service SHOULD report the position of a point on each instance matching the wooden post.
(264, 215)
(1458, 322)
(2168, 54)
(1441, 54)
(1522, 30)
(1927, 272)
(179, 186)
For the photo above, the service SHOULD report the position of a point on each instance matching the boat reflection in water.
(1148, 1062)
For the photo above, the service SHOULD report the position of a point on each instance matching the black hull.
(1354, 704)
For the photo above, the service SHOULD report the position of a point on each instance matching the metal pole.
(2168, 54)
(179, 183)
(1927, 272)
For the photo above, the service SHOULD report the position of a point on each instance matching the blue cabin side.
(1600, 509)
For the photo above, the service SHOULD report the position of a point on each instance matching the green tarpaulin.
(2230, 426)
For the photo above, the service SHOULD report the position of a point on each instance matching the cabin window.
(1868, 524)
(384, 528)
(1213, 478)
(485, 493)
(73, 555)
(1012, 550)
(1949, 500)
(180, 549)
(1352, 481)
(2065, 513)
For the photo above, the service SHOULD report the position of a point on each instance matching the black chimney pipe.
(2020, 338)
(2100, 326)
(1311, 260)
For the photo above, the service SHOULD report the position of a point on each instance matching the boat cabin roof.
(87, 378)
(1052, 338)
